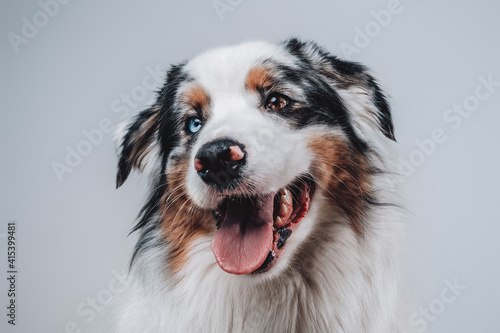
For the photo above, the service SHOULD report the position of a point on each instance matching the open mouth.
(252, 231)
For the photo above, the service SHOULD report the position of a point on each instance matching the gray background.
(72, 234)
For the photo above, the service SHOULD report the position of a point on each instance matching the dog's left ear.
(360, 91)
(382, 107)
(135, 142)
(363, 89)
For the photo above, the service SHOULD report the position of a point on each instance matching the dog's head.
(244, 141)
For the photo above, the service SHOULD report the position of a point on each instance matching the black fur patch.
(169, 124)
(349, 73)
(323, 104)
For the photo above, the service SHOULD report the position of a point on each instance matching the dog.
(272, 203)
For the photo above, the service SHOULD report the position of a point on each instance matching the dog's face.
(247, 142)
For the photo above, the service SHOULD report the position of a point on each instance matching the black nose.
(219, 163)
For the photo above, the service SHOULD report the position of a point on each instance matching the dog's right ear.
(135, 142)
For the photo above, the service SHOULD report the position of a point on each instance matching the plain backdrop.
(86, 64)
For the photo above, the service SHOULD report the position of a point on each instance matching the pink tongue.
(245, 237)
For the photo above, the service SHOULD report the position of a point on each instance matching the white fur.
(328, 280)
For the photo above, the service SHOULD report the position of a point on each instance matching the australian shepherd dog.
(272, 204)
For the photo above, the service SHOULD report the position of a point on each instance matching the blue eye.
(194, 125)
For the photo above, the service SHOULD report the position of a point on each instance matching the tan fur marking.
(182, 221)
(343, 175)
(196, 98)
(258, 78)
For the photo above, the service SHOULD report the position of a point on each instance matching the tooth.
(286, 198)
(279, 222)
(283, 210)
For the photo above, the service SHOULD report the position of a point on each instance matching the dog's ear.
(362, 88)
(382, 107)
(355, 81)
(360, 91)
(135, 142)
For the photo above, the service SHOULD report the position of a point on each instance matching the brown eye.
(276, 102)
